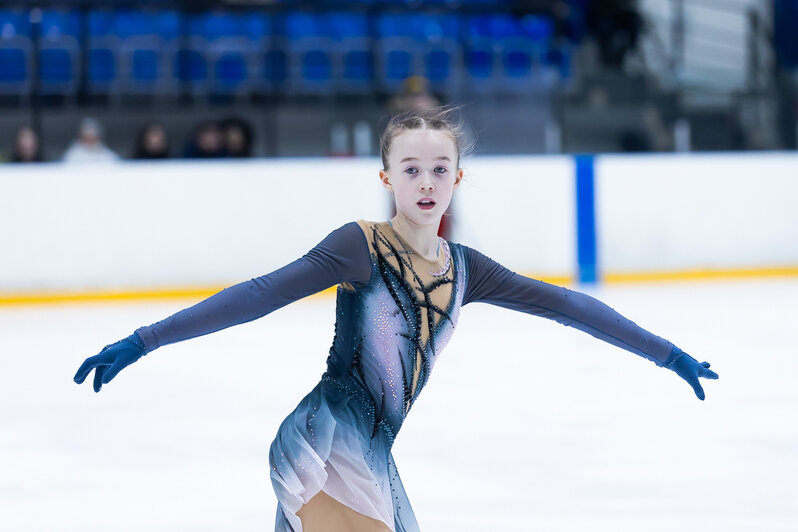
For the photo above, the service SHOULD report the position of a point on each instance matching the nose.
(427, 183)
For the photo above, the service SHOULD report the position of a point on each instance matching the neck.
(423, 238)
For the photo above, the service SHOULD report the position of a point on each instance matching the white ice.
(524, 424)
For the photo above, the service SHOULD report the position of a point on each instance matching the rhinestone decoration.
(447, 259)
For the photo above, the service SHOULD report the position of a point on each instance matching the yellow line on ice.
(199, 293)
(700, 275)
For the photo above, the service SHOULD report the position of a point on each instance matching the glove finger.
(98, 377)
(699, 391)
(111, 372)
(705, 364)
(85, 368)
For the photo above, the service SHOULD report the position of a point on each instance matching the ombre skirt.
(326, 444)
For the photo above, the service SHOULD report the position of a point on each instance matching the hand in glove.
(111, 360)
(690, 370)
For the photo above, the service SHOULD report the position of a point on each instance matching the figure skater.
(400, 291)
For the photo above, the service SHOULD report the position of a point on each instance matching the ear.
(385, 181)
(457, 178)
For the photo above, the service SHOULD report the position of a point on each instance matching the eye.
(441, 170)
(411, 170)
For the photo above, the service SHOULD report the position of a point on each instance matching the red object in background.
(445, 229)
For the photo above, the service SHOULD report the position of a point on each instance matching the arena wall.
(697, 215)
(133, 228)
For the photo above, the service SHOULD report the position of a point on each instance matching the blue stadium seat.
(273, 68)
(15, 65)
(300, 24)
(310, 54)
(353, 56)
(232, 60)
(558, 58)
(191, 66)
(134, 23)
(229, 44)
(58, 23)
(538, 28)
(442, 53)
(101, 23)
(59, 52)
(14, 23)
(481, 57)
(419, 44)
(357, 73)
(550, 63)
(102, 74)
(16, 53)
(344, 25)
(506, 54)
(498, 4)
(349, 3)
(150, 40)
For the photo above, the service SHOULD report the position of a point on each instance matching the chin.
(427, 218)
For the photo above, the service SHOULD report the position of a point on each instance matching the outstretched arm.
(343, 256)
(490, 282)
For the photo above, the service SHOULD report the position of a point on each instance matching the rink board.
(177, 227)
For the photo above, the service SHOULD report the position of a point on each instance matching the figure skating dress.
(395, 312)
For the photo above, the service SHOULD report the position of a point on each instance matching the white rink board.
(179, 224)
(174, 224)
(519, 211)
(659, 213)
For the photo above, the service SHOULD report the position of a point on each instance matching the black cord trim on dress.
(405, 387)
(385, 268)
(387, 271)
(360, 375)
(357, 366)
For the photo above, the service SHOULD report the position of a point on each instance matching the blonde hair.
(434, 118)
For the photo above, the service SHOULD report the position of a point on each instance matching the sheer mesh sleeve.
(343, 256)
(490, 282)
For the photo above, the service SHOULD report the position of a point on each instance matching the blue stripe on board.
(585, 219)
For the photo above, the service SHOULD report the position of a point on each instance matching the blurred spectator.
(565, 25)
(89, 145)
(26, 146)
(616, 25)
(413, 94)
(152, 143)
(206, 142)
(237, 137)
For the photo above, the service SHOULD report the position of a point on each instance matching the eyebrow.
(441, 158)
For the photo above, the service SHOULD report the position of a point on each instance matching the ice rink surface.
(524, 424)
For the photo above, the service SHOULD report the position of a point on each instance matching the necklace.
(447, 258)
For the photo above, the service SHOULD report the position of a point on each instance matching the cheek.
(404, 194)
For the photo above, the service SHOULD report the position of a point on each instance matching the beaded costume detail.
(388, 335)
(395, 312)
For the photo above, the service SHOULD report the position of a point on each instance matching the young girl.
(400, 291)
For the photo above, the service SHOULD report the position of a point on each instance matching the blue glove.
(689, 369)
(111, 360)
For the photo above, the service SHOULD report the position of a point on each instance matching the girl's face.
(422, 174)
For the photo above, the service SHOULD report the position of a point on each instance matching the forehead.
(423, 143)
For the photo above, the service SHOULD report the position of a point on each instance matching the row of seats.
(256, 25)
(131, 51)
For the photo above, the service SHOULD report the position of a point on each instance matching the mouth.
(425, 203)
